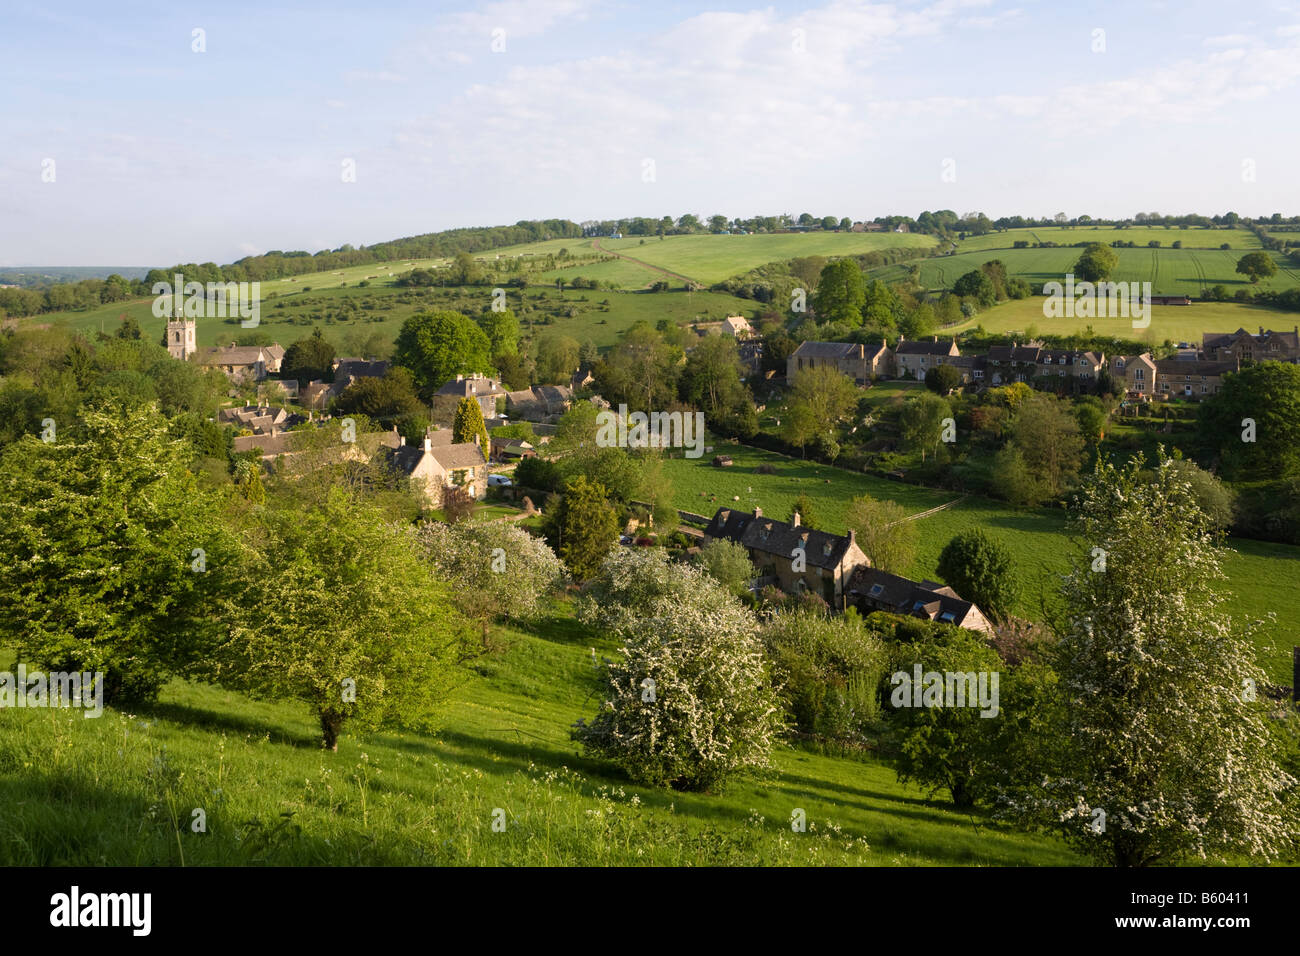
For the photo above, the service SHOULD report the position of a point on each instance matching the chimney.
(401, 441)
(936, 338)
(758, 512)
(794, 520)
(853, 537)
(427, 444)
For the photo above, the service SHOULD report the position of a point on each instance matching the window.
(876, 590)
(948, 617)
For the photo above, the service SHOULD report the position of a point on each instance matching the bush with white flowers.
(689, 703)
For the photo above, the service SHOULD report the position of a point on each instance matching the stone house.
(795, 558)
(1267, 346)
(871, 589)
(914, 359)
(1194, 380)
(479, 387)
(433, 468)
(859, 362)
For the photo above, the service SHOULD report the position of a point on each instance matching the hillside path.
(595, 244)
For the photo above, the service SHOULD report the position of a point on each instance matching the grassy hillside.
(710, 259)
(360, 312)
(1260, 575)
(121, 789)
(1170, 271)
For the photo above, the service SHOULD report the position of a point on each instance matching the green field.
(1170, 271)
(121, 789)
(710, 259)
(1240, 239)
(1261, 575)
(1175, 323)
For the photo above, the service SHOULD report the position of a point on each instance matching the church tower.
(180, 337)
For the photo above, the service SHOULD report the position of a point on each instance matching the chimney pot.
(758, 512)
(794, 521)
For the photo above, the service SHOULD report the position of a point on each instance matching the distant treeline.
(88, 293)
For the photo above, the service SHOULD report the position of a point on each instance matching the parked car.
(499, 481)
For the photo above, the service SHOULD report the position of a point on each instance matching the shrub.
(828, 669)
(689, 703)
(943, 747)
(728, 563)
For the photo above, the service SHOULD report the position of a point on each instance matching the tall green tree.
(1254, 422)
(111, 554)
(922, 423)
(883, 532)
(1169, 754)
(582, 527)
(820, 398)
(1096, 262)
(1256, 266)
(438, 346)
(308, 359)
(502, 330)
(980, 570)
(841, 293)
(469, 425)
(335, 607)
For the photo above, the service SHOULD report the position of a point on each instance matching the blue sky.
(162, 154)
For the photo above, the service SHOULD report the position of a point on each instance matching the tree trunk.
(330, 725)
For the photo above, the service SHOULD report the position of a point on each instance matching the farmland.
(1239, 239)
(1260, 575)
(1170, 271)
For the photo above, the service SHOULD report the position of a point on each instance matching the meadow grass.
(711, 258)
(122, 789)
(1259, 574)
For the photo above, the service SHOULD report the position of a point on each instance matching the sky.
(146, 134)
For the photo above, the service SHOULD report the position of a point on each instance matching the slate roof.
(923, 348)
(828, 350)
(464, 455)
(1018, 353)
(928, 598)
(470, 387)
(771, 536)
(232, 355)
(360, 368)
(1175, 367)
(1217, 340)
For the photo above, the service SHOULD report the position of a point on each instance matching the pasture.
(710, 259)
